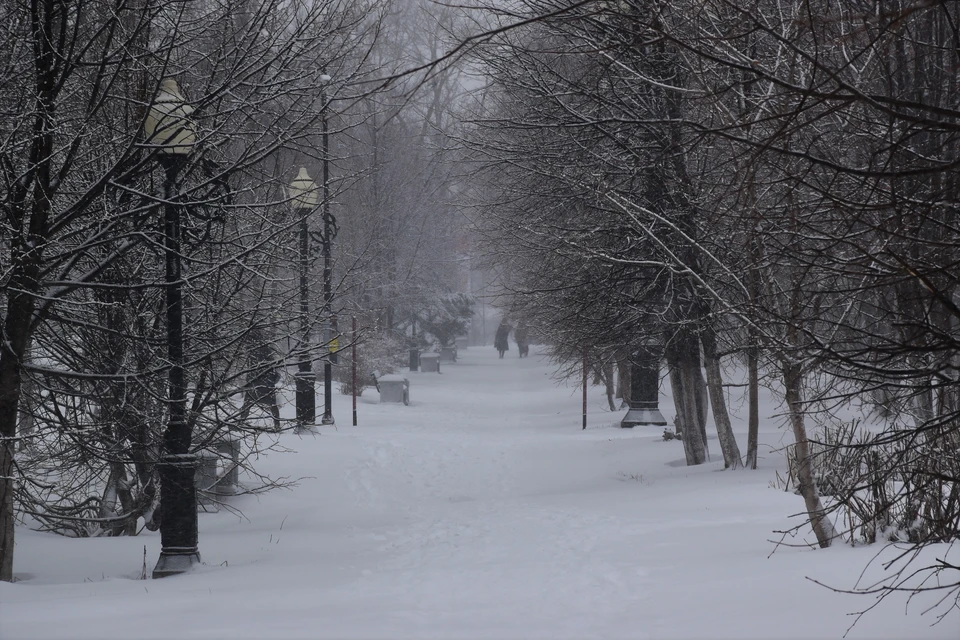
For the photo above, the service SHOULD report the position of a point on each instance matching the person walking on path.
(500, 341)
(523, 339)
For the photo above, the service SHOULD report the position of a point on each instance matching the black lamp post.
(644, 389)
(303, 191)
(170, 130)
(329, 226)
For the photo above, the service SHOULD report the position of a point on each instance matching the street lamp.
(168, 129)
(303, 192)
(644, 389)
(329, 227)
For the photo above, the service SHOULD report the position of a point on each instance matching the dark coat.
(500, 341)
(520, 335)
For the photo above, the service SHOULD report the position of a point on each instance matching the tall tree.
(80, 191)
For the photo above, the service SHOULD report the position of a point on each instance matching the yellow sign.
(334, 344)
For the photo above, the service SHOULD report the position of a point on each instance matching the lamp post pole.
(304, 194)
(306, 394)
(327, 273)
(169, 127)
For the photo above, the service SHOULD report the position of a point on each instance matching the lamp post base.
(327, 418)
(306, 401)
(637, 417)
(172, 563)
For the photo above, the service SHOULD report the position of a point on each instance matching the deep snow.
(480, 510)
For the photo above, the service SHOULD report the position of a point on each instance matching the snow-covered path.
(481, 510)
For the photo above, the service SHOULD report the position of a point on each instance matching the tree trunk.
(753, 419)
(819, 520)
(116, 483)
(701, 399)
(753, 352)
(6, 499)
(694, 442)
(17, 329)
(676, 384)
(607, 374)
(728, 443)
(753, 357)
(28, 218)
(684, 371)
(19, 310)
(27, 425)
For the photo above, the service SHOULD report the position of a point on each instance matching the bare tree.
(80, 196)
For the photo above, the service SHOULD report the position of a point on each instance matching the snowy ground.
(480, 511)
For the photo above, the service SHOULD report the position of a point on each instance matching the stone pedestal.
(394, 388)
(430, 362)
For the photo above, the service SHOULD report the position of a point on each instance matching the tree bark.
(819, 520)
(17, 329)
(728, 443)
(753, 352)
(606, 370)
(694, 442)
(29, 219)
(684, 371)
(676, 385)
(28, 424)
(701, 399)
(6, 478)
(753, 417)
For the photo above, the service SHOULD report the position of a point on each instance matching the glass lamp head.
(168, 124)
(304, 191)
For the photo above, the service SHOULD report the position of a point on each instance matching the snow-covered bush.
(898, 485)
(377, 354)
(448, 318)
